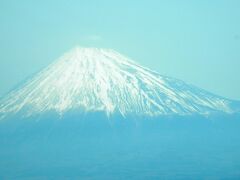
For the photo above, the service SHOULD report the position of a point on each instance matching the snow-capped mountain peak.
(93, 79)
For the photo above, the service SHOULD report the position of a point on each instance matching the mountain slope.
(91, 79)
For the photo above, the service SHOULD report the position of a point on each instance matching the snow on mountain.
(91, 79)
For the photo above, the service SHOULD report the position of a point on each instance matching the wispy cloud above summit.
(93, 37)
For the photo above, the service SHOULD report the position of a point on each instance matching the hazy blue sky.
(196, 41)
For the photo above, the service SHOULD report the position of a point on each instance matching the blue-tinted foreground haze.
(95, 113)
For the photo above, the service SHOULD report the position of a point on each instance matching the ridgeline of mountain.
(102, 80)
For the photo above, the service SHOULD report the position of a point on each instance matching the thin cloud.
(93, 38)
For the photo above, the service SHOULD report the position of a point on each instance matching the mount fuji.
(96, 114)
(102, 80)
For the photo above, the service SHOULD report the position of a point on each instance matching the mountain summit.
(92, 80)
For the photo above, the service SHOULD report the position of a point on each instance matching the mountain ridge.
(95, 79)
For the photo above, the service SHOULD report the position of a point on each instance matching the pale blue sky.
(196, 41)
